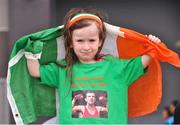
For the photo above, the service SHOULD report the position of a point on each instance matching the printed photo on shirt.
(89, 104)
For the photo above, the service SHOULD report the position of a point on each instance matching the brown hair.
(70, 56)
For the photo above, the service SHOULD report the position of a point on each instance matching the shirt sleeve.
(133, 69)
(49, 74)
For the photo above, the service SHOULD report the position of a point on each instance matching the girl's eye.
(92, 40)
(79, 40)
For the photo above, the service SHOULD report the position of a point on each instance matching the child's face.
(172, 108)
(85, 42)
(164, 114)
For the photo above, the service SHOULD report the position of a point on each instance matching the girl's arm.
(146, 59)
(33, 52)
(33, 67)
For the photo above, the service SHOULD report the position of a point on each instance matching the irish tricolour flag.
(29, 100)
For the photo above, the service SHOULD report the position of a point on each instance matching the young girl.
(85, 69)
(167, 116)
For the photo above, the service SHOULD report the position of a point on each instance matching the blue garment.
(170, 120)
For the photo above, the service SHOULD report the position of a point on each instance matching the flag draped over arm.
(145, 94)
(29, 99)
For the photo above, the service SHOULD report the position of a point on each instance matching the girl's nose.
(86, 46)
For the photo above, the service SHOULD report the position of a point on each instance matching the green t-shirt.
(108, 80)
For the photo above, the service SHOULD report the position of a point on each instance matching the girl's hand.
(154, 39)
(146, 58)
